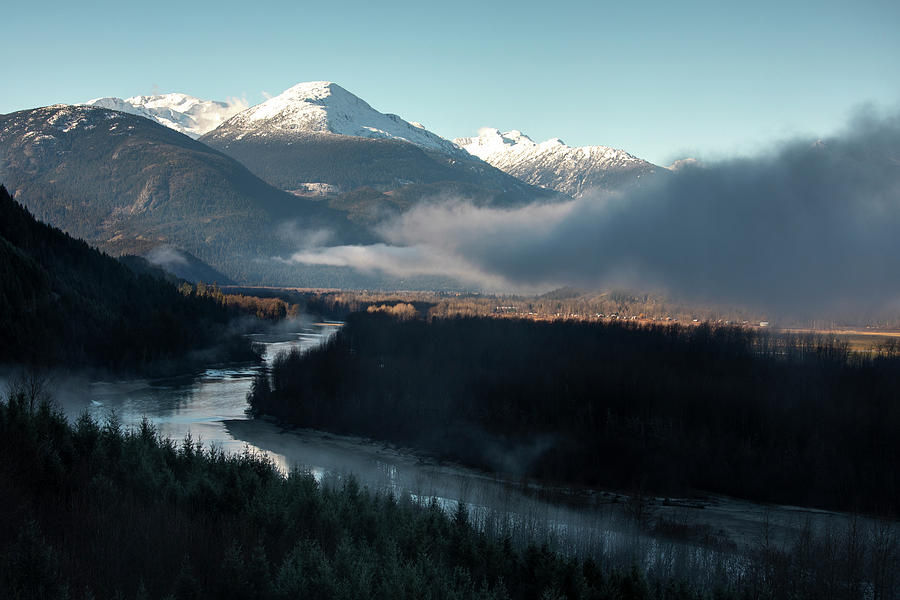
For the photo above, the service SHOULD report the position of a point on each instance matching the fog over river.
(703, 537)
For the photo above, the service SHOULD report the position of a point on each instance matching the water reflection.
(197, 405)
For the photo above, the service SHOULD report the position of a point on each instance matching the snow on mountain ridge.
(181, 112)
(490, 142)
(552, 164)
(326, 107)
(323, 108)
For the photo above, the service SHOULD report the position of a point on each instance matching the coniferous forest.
(63, 302)
(94, 510)
(668, 409)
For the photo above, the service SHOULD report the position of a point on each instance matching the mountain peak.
(324, 107)
(552, 164)
(314, 89)
(313, 92)
(517, 136)
(490, 141)
(297, 106)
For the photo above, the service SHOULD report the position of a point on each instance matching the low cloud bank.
(166, 257)
(811, 226)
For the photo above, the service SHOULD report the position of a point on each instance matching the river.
(200, 404)
(701, 537)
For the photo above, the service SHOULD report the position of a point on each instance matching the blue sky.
(662, 80)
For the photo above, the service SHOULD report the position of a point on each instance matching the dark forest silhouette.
(63, 302)
(669, 409)
(98, 511)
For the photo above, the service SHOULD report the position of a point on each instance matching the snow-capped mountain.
(186, 114)
(316, 137)
(323, 107)
(128, 184)
(554, 165)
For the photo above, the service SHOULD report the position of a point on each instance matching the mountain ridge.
(552, 164)
(326, 116)
(128, 184)
(324, 107)
(186, 114)
(316, 138)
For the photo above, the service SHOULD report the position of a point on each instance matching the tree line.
(664, 408)
(564, 304)
(265, 308)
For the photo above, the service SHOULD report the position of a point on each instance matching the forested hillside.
(669, 409)
(93, 510)
(127, 185)
(63, 302)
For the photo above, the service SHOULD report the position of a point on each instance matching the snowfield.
(324, 107)
(186, 114)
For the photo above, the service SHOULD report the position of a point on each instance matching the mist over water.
(810, 227)
(192, 404)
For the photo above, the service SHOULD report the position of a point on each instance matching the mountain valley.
(238, 190)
